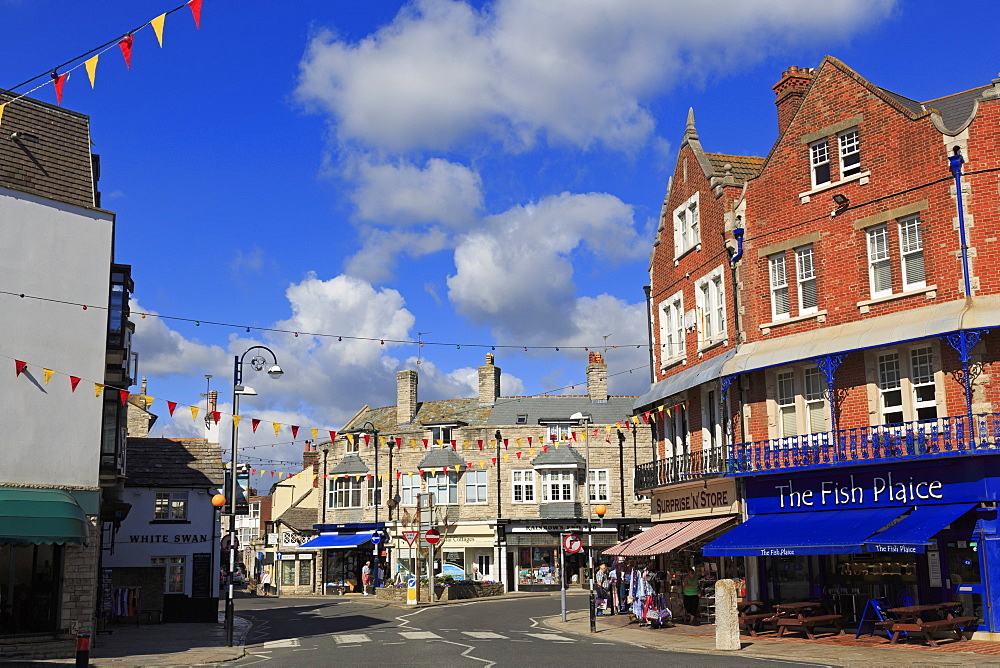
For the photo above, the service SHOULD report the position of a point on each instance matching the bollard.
(83, 649)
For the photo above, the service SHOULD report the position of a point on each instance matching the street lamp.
(499, 554)
(376, 493)
(257, 363)
(584, 419)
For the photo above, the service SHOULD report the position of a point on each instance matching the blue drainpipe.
(955, 162)
(738, 233)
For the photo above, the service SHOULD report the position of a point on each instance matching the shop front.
(908, 533)
(341, 554)
(534, 559)
(463, 550)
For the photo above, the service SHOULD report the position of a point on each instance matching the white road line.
(484, 635)
(549, 636)
(285, 642)
(420, 635)
(345, 638)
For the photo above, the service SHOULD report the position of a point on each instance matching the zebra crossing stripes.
(484, 635)
(351, 638)
(419, 635)
(359, 638)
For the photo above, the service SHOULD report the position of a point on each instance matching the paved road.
(345, 632)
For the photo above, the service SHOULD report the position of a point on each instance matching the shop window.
(475, 486)
(346, 493)
(523, 486)
(597, 486)
(29, 588)
(409, 487)
(672, 329)
(170, 506)
(175, 572)
(305, 573)
(444, 487)
(287, 573)
(557, 485)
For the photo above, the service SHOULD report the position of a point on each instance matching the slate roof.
(299, 517)
(560, 408)
(173, 462)
(467, 411)
(955, 109)
(743, 166)
(563, 455)
(351, 463)
(438, 458)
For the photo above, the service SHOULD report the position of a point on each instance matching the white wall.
(52, 435)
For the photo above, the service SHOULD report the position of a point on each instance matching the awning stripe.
(31, 515)
(687, 534)
(913, 532)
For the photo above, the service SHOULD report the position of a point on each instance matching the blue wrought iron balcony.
(908, 440)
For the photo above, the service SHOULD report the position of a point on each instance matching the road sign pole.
(562, 573)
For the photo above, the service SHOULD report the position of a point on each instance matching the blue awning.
(788, 534)
(913, 532)
(336, 541)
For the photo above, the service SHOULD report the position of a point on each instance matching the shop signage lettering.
(882, 488)
(698, 500)
(777, 552)
(164, 538)
(905, 549)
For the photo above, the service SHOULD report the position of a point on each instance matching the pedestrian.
(476, 575)
(366, 577)
(602, 580)
(265, 581)
(381, 575)
(692, 598)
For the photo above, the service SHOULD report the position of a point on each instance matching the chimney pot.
(406, 396)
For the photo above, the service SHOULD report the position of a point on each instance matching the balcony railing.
(685, 466)
(909, 440)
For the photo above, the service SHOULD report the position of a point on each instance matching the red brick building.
(827, 317)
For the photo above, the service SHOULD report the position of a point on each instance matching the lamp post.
(257, 363)
(376, 494)
(500, 555)
(584, 419)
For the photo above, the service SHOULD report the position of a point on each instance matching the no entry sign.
(432, 536)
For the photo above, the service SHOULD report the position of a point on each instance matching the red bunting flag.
(216, 415)
(171, 405)
(398, 474)
(58, 81)
(368, 439)
(425, 443)
(253, 471)
(505, 443)
(480, 444)
(254, 423)
(454, 446)
(529, 441)
(333, 436)
(545, 448)
(295, 432)
(19, 367)
(607, 439)
(645, 417)
(73, 382)
(123, 395)
(494, 459)
(552, 437)
(368, 477)
(519, 454)
(126, 46)
(399, 443)
(272, 474)
(195, 6)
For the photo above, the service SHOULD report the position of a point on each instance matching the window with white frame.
(345, 493)
(850, 152)
(907, 385)
(879, 266)
(672, 329)
(255, 510)
(785, 398)
(373, 493)
(922, 379)
(675, 430)
(175, 572)
(409, 488)
(475, 486)
(711, 302)
(890, 388)
(687, 233)
(560, 431)
(170, 506)
(819, 160)
(780, 307)
(815, 399)
(557, 485)
(444, 487)
(712, 430)
(597, 485)
(442, 435)
(805, 276)
(801, 402)
(523, 486)
(352, 442)
(911, 250)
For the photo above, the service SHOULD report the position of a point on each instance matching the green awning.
(30, 515)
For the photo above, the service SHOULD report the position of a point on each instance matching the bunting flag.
(215, 416)
(19, 367)
(236, 421)
(518, 453)
(573, 436)
(157, 24)
(147, 401)
(91, 65)
(368, 439)
(399, 443)
(194, 413)
(74, 381)
(413, 444)
(456, 467)
(126, 46)
(171, 405)
(333, 435)
(195, 6)
(480, 444)
(48, 375)
(607, 428)
(254, 423)
(440, 443)
(635, 419)
(425, 443)
(399, 474)
(58, 81)
(519, 442)
(453, 446)
(123, 395)
(1, 111)
(482, 463)
(350, 439)
(545, 448)
(315, 434)
(98, 388)
(505, 442)
(645, 417)
(295, 432)
(381, 441)
(531, 452)
(494, 459)
(277, 427)
(506, 458)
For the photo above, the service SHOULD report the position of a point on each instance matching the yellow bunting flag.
(635, 419)
(465, 445)
(456, 468)
(147, 400)
(413, 444)
(439, 442)
(194, 413)
(315, 433)
(98, 388)
(506, 458)
(518, 442)
(1, 112)
(607, 428)
(409, 473)
(91, 65)
(48, 375)
(350, 439)
(157, 24)
(531, 452)
(482, 463)
(236, 421)
(277, 427)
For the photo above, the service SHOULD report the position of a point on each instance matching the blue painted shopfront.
(919, 531)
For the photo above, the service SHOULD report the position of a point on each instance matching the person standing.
(692, 597)
(265, 581)
(601, 581)
(366, 577)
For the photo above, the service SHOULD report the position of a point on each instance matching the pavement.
(201, 644)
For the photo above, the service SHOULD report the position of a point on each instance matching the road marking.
(419, 635)
(484, 635)
(345, 638)
(549, 636)
(285, 642)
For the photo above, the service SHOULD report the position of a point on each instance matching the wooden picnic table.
(916, 612)
(912, 620)
(751, 621)
(802, 615)
(743, 605)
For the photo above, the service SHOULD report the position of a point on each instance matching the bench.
(956, 624)
(752, 621)
(807, 624)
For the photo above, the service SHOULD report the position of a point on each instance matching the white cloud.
(442, 73)
(163, 351)
(380, 250)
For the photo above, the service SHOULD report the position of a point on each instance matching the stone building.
(508, 475)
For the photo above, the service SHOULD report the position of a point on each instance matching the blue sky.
(488, 173)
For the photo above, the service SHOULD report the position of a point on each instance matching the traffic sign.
(432, 536)
(376, 537)
(410, 536)
(225, 542)
(572, 543)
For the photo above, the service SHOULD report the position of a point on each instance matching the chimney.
(790, 91)
(489, 382)
(406, 396)
(143, 392)
(213, 400)
(310, 458)
(597, 378)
